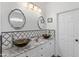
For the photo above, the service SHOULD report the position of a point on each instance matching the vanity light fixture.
(33, 7)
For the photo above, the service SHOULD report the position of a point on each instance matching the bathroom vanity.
(37, 47)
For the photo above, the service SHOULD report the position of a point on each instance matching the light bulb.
(39, 10)
(35, 8)
(30, 6)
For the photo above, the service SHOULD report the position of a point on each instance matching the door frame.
(57, 30)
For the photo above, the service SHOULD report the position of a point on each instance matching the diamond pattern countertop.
(14, 51)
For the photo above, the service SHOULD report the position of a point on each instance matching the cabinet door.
(36, 52)
(52, 48)
(47, 50)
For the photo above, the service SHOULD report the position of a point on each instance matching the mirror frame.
(16, 28)
(42, 21)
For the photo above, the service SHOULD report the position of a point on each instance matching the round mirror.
(41, 23)
(17, 19)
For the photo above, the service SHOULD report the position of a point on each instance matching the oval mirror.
(41, 23)
(17, 19)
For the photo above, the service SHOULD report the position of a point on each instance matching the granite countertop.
(14, 51)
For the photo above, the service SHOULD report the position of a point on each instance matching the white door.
(66, 31)
(75, 17)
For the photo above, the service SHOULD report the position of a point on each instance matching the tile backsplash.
(7, 37)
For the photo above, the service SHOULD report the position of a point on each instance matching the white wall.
(56, 7)
(42, 5)
(0, 18)
(31, 17)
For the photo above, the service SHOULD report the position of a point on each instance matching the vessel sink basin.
(46, 36)
(21, 42)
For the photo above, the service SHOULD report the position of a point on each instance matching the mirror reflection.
(17, 19)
